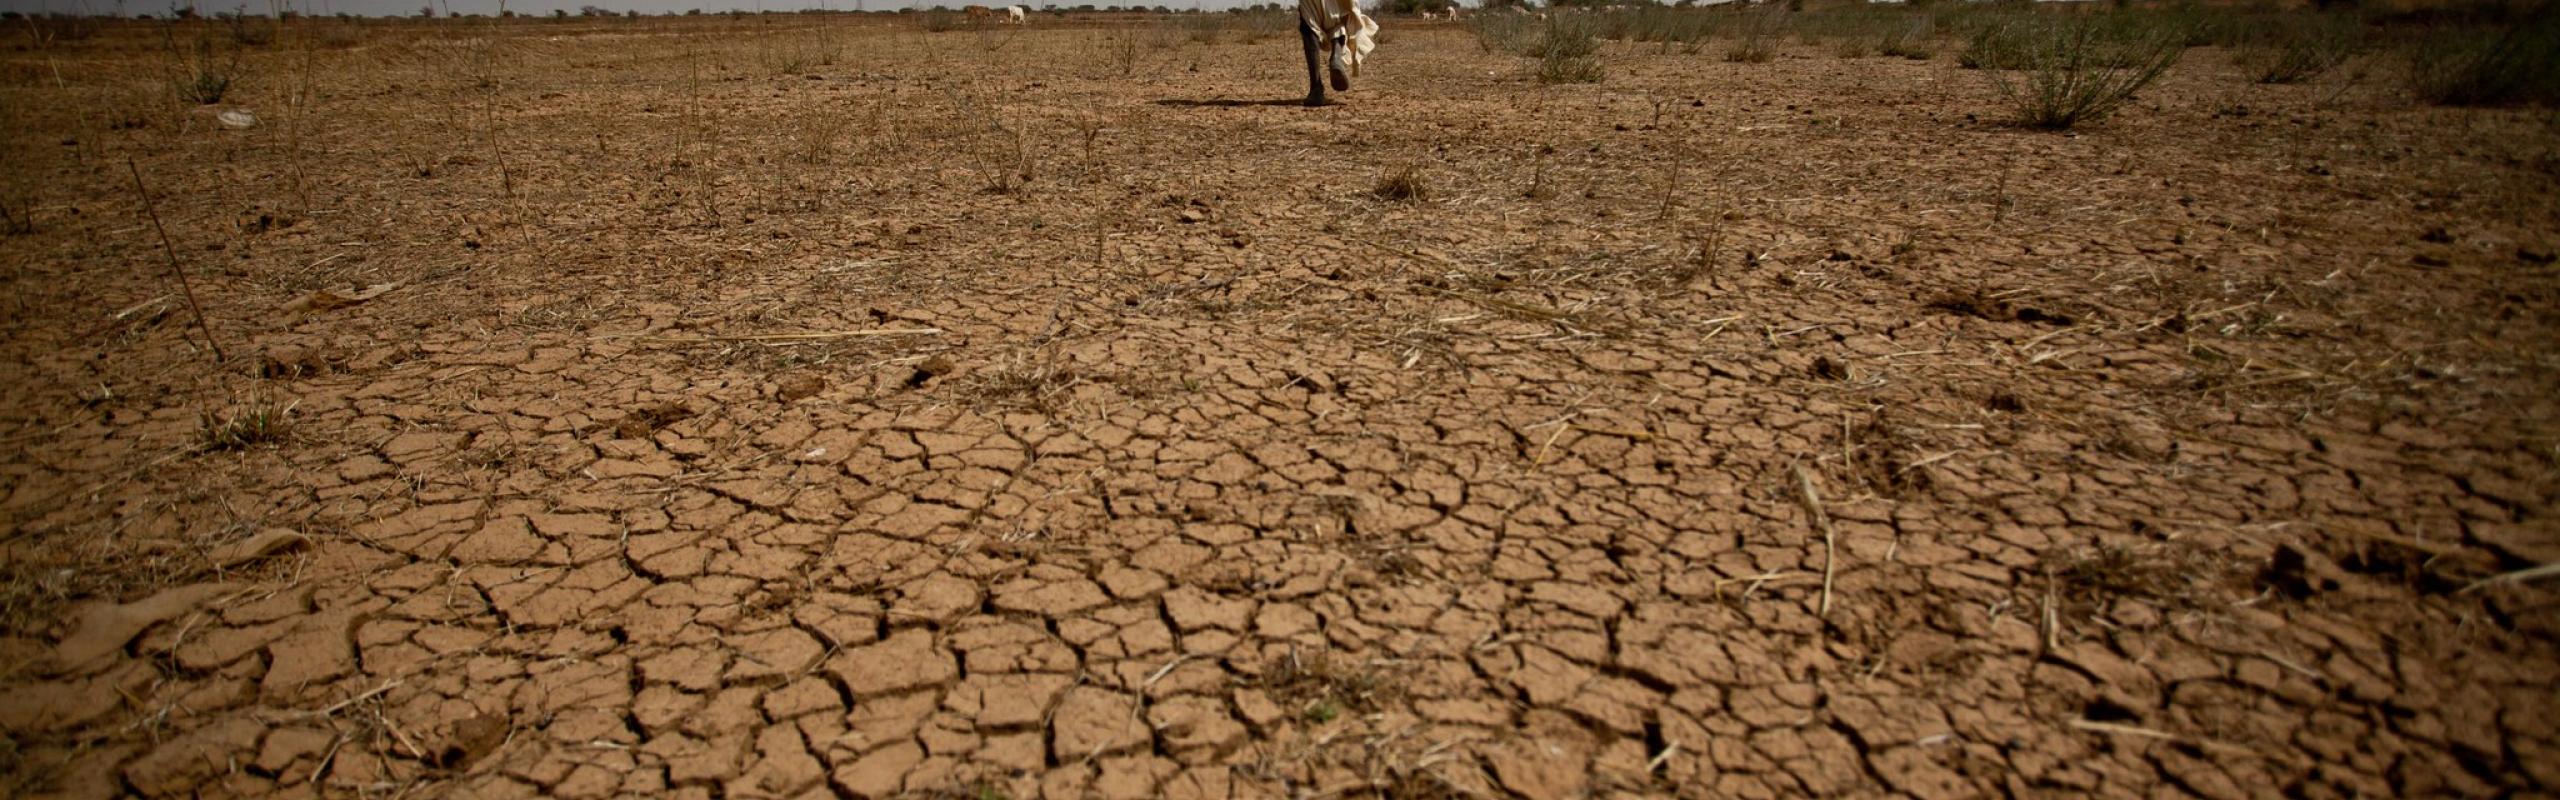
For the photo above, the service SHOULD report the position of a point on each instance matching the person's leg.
(1333, 58)
(1315, 84)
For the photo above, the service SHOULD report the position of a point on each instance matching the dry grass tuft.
(2091, 580)
(1321, 688)
(1402, 184)
(1040, 385)
(1753, 50)
(567, 314)
(260, 421)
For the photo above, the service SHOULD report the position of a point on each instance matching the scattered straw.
(2516, 577)
(2436, 549)
(1764, 577)
(1561, 424)
(1640, 436)
(2200, 743)
(1668, 750)
(822, 336)
(2122, 729)
(1167, 669)
(343, 704)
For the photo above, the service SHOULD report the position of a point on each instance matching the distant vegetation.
(2062, 65)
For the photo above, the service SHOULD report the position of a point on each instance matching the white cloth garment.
(1342, 18)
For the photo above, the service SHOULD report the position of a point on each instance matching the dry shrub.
(1994, 46)
(1759, 41)
(1123, 54)
(2299, 50)
(1205, 28)
(2511, 65)
(1910, 40)
(248, 30)
(1505, 33)
(1569, 51)
(203, 75)
(794, 54)
(816, 132)
(1002, 150)
(1688, 29)
(2075, 71)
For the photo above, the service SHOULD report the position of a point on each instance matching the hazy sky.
(541, 7)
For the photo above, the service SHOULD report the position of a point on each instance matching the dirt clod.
(1826, 369)
(2300, 573)
(641, 423)
(795, 387)
(293, 361)
(472, 740)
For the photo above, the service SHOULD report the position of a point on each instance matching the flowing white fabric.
(1351, 33)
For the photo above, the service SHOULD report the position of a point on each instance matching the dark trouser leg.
(1315, 83)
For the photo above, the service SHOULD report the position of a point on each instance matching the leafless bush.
(2298, 50)
(2077, 71)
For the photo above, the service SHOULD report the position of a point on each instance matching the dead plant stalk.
(185, 286)
(489, 103)
(1830, 543)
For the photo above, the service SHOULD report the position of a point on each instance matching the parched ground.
(1052, 414)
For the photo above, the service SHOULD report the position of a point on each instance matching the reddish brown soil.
(2162, 458)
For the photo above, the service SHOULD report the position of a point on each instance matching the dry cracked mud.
(1722, 429)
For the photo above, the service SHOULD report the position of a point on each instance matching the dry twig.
(171, 251)
(2516, 577)
(1830, 544)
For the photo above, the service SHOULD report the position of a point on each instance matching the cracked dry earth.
(1719, 430)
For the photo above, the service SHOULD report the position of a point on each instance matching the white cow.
(1016, 14)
